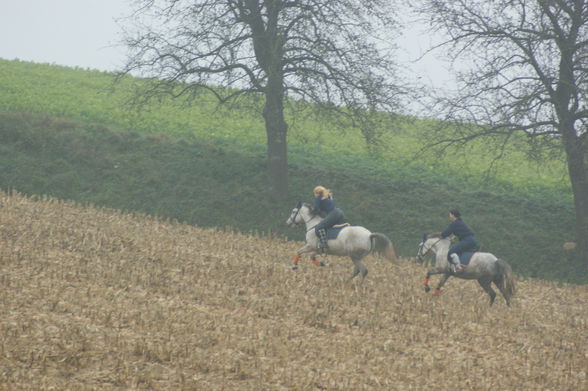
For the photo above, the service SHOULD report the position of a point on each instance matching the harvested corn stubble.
(93, 298)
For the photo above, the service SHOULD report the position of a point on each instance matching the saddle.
(334, 231)
(465, 258)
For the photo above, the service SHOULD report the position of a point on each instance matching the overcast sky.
(85, 33)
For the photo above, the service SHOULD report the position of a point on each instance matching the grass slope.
(212, 184)
(97, 299)
(90, 96)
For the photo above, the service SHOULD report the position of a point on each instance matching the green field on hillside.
(92, 96)
(64, 132)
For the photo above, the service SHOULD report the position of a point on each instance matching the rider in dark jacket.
(465, 235)
(324, 205)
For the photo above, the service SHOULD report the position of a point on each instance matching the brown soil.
(94, 299)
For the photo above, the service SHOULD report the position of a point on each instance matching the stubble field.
(94, 299)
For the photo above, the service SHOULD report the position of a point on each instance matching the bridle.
(294, 215)
(295, 212)
(420, 255)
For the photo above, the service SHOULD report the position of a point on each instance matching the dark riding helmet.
(455, 212)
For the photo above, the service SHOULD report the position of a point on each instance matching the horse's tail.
(382, 246)
(505, 271)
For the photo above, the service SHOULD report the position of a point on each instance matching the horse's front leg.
(431, 272)
(303, 250)
(441, 283)
(426, 282)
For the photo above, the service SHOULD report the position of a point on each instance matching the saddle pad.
(466, 257)
(332, 233)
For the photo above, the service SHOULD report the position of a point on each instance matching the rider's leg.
(454, 251)
(334, 217)
(455, 263)
(321, 233)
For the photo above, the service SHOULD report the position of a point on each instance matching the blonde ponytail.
(323, 192)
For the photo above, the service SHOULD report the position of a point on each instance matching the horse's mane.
(437, 235)
(311, 209)
(309, 206)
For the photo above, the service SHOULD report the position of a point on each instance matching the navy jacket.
(458, 228)
(324, 205)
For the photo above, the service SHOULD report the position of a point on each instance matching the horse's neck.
(311, 221)
(441, 248)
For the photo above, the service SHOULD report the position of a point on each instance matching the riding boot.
(322, 244)
(456, 264)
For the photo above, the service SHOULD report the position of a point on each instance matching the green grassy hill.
(62, 133)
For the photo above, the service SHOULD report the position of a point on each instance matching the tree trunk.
(577, 158)
(276, 130)
(575, 146)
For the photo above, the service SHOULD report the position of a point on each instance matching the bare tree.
(528, 75)
(321, 51)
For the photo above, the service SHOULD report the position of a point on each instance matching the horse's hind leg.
(355, 272)
(359, 268)
(486, 284)
(499, 282)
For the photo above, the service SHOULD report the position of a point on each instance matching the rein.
(293, 218)
(298, 207)
(420, 256)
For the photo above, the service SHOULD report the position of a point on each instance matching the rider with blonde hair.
(325, 205)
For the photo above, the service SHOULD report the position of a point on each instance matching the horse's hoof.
(295, 267)
(427, 289)
(316, 262)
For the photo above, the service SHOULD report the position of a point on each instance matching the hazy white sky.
(84, 33)
(64, 32)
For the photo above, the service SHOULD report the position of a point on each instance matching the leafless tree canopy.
(528, 62)
(528, 75)
(330, 53)
(326, 51)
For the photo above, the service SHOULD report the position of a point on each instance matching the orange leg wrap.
(426, 282)
(315, 261)
(296, 259)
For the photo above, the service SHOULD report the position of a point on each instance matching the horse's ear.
(299, 204)
(425, 237)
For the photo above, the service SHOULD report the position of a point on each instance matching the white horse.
(484, 267)
(353, 241)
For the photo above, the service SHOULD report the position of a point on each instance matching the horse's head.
(295, 217)
(422, 251)
(426, 245)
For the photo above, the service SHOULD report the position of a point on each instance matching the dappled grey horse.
(484, 267)
(353, 241)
